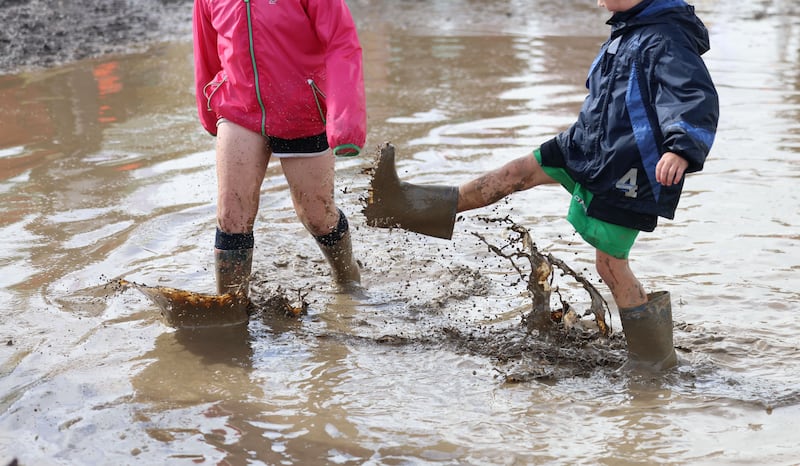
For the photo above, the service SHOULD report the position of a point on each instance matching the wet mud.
(559, 345)
(39, 34)
(546, 343)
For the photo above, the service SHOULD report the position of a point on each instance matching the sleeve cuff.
(551, 154)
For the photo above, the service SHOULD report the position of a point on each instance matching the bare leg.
(242, 158)
(628, 292)
(311, 182)
(517, 175)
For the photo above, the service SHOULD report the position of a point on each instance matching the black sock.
(334, 236)
(231, 241)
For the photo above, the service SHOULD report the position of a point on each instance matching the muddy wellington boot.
(429, 210)
(648, 332)
(337, 248)
(233, 257)
(233, 268)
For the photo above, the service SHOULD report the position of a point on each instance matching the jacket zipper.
(255, 70)
(607, 64)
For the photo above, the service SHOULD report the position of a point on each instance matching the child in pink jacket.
(279, 78)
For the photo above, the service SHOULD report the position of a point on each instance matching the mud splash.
(550, 342)
(186, 309)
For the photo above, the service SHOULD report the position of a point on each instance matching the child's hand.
(670, 169)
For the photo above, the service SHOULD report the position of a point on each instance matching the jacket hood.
(662, 12)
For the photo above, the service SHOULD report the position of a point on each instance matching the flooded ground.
(105, 173)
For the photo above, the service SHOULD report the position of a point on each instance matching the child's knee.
(233, 218)
(610, 268)
(319, 222)
(603, 269)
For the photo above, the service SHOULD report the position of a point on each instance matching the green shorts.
(614, 240)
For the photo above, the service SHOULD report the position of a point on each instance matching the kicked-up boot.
(648, 333)
(429, 210)
(337, 248)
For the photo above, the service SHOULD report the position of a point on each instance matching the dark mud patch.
(39, 34)
(517, 355)
(522, 356)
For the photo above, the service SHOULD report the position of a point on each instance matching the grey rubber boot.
(429, 210)
(339, 255)
(648, 332)
(233, 268)
(338, 250)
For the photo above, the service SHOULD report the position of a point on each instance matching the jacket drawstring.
(317, 92)
(209, 96)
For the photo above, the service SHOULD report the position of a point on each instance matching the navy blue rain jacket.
(649, 93)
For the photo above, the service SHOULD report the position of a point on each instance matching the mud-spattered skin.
(40, 34)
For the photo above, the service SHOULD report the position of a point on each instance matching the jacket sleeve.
(206, 62)
(686, 102)
(346, 119)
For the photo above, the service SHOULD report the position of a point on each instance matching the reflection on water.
(105, 173)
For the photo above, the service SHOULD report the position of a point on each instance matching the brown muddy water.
(105, 173)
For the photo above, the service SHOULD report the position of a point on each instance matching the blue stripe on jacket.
(642, 131)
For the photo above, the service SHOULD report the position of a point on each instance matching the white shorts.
(306, 155)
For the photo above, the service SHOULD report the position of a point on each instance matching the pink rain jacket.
(284, 68)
